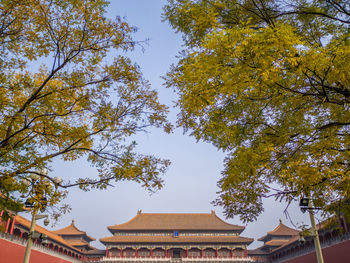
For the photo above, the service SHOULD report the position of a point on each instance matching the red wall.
(13, 253)
(339, 253)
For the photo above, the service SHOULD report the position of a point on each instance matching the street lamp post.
(34, 177)
(306, 205)
(315, 235)
(31, 233)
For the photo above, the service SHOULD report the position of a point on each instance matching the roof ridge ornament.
(139, 211)
(212, 212)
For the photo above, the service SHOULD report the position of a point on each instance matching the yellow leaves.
(272, 92)
(81, 103)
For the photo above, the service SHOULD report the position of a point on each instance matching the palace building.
(281, 235)
(183, 236)
(172, 238)
(75, 237)
(80, 240)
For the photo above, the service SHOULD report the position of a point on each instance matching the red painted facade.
(338, 253)
(15, 232)
(14, 253)
(12, 247)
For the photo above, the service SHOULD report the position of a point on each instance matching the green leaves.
(272, 90)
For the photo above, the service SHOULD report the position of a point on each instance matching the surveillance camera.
(46, 221)
(44, 239)
(301, 239)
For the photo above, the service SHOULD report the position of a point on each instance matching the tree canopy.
(69, 91)
(267, 81)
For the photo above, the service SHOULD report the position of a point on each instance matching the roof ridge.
(280, 225)
(138, 214)
(288, 231)
(175, 221)
(175, 213)
(213, 214)
(69, 227)
(73, 225)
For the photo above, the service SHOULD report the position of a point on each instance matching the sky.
(190, 183)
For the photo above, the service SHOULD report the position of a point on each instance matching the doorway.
(176, 253)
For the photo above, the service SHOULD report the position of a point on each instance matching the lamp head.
(57, 180)
(304, 202)
(46, 221)
(43, 171)
(34, 177)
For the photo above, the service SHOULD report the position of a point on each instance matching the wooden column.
(246, 252)
(186, 252)
(217, 253)
(1, 213)
(231, 252)
(344, 222)
(7, 225)
(202, 252)
(107, 252)
(166, 252)
(151, 252)
(136, 252)
(121, 252)
(13, 225)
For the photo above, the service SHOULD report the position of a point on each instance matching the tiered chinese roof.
(75, 237)
(181, 239)
(278, 237)
(168, 222)
(172, 221)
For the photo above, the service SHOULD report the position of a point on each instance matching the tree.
(268, 82)
(67, 91)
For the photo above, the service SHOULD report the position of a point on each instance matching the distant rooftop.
(281, 230)
(72, 230)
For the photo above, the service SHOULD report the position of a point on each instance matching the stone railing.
(23, 242)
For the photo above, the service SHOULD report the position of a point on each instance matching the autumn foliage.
(67, 90)
(267, 82)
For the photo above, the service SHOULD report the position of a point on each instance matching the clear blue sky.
(190, 183)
